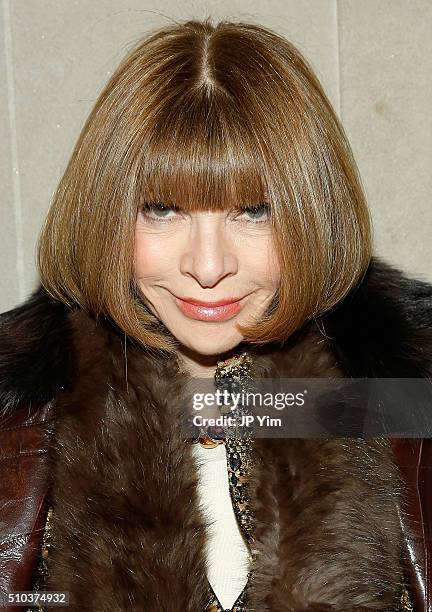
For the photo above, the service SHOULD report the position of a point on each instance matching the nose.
(209, 255)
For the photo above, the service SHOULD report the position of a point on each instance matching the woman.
(210, 224)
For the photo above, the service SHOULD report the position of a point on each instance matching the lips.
(209, 304)
(221, 310)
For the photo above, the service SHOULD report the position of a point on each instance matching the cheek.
(142, 259)
(150, 256)
(264, 264)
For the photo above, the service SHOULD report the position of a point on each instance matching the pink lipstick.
(221, 310)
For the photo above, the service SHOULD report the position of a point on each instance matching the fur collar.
(127, 528)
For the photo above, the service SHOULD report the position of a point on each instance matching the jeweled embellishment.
(405, 601)
(233, 375)
(42, 567)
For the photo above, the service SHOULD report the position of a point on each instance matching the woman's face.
(205, 257)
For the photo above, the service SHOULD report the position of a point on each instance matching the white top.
(227, 553)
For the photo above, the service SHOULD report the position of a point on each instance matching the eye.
(157, 211)
(256, 214)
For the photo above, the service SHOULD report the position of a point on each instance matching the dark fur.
(128, 533)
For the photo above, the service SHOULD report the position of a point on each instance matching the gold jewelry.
(231, 372)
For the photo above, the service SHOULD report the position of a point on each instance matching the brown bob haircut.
(209, 117)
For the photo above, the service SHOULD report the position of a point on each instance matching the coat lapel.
(127, 525)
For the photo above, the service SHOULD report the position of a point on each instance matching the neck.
(197, 365)
(201, 366)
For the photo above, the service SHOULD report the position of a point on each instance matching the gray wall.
(372, 56)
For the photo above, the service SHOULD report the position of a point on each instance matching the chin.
(212, 344)
(217, 349)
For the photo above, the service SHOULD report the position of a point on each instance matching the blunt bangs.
(200, 157)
